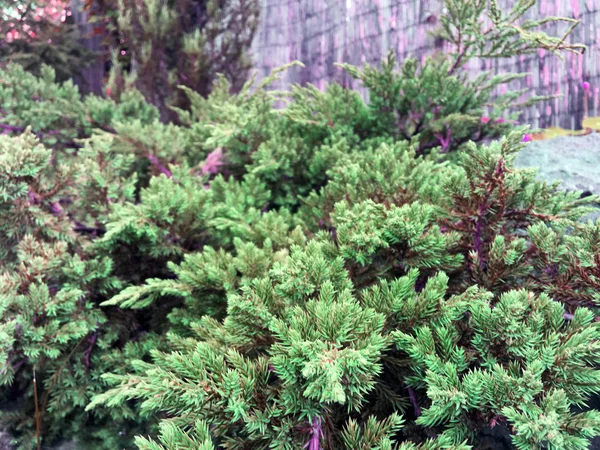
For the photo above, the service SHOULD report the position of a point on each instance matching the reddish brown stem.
(156, 163)
(414, 402)
(38, 422)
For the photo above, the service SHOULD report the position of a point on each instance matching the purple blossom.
(527, 138)
(214, 160)
(586, 86)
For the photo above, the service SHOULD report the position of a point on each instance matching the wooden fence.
(322, 32)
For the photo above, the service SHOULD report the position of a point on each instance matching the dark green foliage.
(49, 317)
(173, 43)
(31, 191)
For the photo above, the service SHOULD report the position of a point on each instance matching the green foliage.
(171, 437)
(500, 35)
(490, 204)
(56, 113)
(30, 191)
(49, 290)
(289, 269)
(427, 100)
(389, 174)
(515, 365)
(327, 330)
(297, 344)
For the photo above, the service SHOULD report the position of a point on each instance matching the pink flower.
(586, 86)
(500, 120)
(527, 138)
(213, 162)
(485, 119)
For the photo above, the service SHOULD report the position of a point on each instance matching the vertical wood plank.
(322, 32)
(91, 78)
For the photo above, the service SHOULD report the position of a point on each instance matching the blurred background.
(322, 32)
(318, 33)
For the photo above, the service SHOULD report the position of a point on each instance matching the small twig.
(316, 433)
(445, 141)
(156, 163)
(55, 376)
(15, 367)
(414, 402)
(38, 422)
(92, 340)
(8, 128)
(569, 31)
(40, 135)
(18, 365)
(80, 227)
(461, 53)
(477, 239)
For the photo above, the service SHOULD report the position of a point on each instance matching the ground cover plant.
(333, 274)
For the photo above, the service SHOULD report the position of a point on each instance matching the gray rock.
(5, 441)
(497, 438)
(575, 161)
(7, 438)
